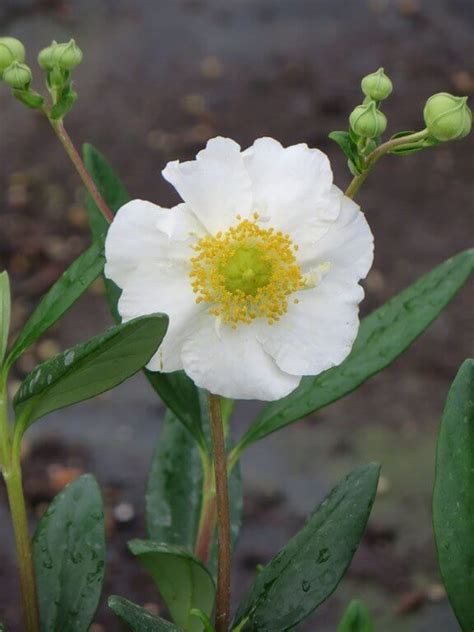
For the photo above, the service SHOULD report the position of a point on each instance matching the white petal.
(232, 363)
(133, 237)
(348, 245)
(317, 333)
(166, 289)
(291, 185)
(216, 185)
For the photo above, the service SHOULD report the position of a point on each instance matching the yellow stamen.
(245, 273)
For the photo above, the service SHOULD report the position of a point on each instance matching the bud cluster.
(367, 120)
(58, 60)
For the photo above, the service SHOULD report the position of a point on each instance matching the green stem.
(11, 470)
(380, 151)
(223, 516)
(76, 160)
(207, 519)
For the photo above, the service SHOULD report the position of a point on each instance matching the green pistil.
(247, 270)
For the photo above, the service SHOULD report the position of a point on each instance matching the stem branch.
(380, 151)
(223, 516)
(76, 160)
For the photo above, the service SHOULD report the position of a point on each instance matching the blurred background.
(158, 79)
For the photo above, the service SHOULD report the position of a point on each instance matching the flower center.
(245, 273)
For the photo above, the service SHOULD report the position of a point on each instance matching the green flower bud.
(367, 121)
(46, 57)
(11, 50)
(377, 85)
(447, 117)
(67, 56)
(17, 76)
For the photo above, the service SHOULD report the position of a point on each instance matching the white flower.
(258, 269)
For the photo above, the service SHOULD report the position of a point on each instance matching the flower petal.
(216, 185)
(162, 288)
(232, 363)
(133, 237)
(291, 185)
(317, 333)
(348, 245)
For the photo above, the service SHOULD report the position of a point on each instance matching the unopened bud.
(11, 50)
(18, 76)
(447, 117)
(67, 56)
(46, 57)
(367, 121)
(377, 85)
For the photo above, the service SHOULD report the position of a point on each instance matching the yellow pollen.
(245, 273)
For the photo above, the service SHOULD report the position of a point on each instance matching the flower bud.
(18, 76)
(11, 50)
(367, 121)
(46, 57)
(447, 117)
(67, 56)
(377, 85)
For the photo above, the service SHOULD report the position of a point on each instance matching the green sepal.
(64, 104)
(182, 580)
(453, 497)
(309, 568)
(69, 557)
(138, 619)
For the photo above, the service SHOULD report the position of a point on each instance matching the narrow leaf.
(356, 619)
(176, 390)
(453, 498)
(184, 583)
(308, 569)
(91, 368)
(63, 294)
(345, 142)
(138, 619)
(69, 557)
(383, 336)
(174, 491)
(5, 306)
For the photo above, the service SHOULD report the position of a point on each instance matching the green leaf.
(89, 369)
(5, 306)
(181, 395)
(30, 98)
(138, 619)
(453, 498)
(184, 583)
(176, 390)
(345, 142)
(69, 557)
(383, 336)
(308, 569)
(109, 185)
(175, 490)
(356, 619)
(62, 295)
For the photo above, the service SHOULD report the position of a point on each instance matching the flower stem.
(381, 150)
(76, 160)
(11, 470)
(223, 516)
